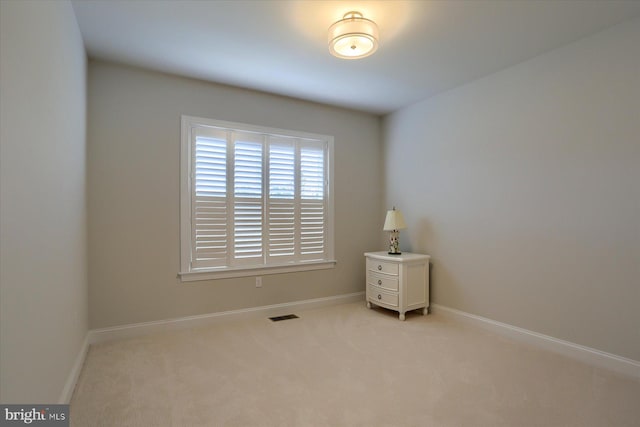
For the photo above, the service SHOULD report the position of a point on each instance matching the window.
(254, 200)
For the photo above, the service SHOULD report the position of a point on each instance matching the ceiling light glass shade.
(353, 37)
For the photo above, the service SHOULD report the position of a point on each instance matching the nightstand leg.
(401, 316)
(425, 311)
(368, 304)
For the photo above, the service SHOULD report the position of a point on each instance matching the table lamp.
(393, 223)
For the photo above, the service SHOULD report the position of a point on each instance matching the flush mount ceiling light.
(353, 37)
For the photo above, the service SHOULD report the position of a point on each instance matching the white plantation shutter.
(209, 198)
(247, 199)
(281, 203)
(313, 218)
(255, 198)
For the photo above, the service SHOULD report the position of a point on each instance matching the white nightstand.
(398, 282)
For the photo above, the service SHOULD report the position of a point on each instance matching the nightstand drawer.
(377, 295)
(384, 281)
(382, 266)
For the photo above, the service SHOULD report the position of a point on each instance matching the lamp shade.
(394, 221)
(353, 37)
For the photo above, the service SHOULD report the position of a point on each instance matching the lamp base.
(394, 243)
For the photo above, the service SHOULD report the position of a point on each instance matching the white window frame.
(187, 179)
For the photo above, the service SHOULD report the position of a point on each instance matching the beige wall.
(524, 186)
(43, 274)
(133, 171)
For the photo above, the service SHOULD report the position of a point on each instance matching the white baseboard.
(140, 329)
(582, 353)
(74, 374)
(585, 354)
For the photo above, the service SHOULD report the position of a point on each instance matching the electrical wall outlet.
(258, 282)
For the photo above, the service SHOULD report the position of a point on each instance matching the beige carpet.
(344, 366)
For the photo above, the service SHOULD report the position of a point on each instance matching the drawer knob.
(379, 267)
(379, 296)
(379, 282)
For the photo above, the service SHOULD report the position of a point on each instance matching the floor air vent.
(285, 317)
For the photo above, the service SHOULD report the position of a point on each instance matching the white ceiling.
(426, 46)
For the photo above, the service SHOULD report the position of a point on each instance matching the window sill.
(227, 273)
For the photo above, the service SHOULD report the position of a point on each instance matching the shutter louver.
(313, 215)
(281, 205)
(247, 201)
(209, 224)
